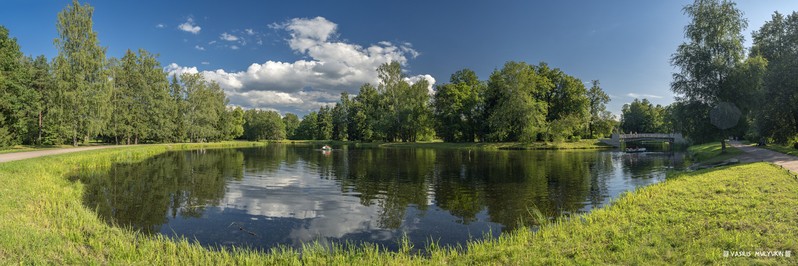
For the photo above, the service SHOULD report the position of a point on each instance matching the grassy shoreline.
(709, 153)
(689, 219)
(565, 145)
(782, 148)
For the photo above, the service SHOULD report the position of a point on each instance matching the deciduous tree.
(81, 76)
(707, 61)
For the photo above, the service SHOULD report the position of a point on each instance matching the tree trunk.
(723, 141)
(723, 146)
(39, 138)
(136, 140)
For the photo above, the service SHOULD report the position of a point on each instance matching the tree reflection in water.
(290, 194)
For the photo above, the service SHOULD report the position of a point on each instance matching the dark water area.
(292, 194)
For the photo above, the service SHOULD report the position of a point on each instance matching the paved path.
(756, 154)
(7, 157)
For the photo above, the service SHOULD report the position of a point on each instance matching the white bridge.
(618, 139)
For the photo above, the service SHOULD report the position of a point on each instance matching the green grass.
(688, 219)
(782, 148)
(709, 153)
(566, 145)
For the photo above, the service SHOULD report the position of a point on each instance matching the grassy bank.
(566, 145)
(709, 153)
(688, 219)
(782, 148)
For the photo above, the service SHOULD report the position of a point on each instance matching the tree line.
(81, 95)
(720, 81)
(641, 116)
(519, 102)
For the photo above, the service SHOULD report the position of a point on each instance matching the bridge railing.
(617, 139)
(646, 135)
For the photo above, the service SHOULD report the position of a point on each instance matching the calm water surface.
(287, 194)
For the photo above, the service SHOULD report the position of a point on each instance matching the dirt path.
(756, 154)
(14, 156)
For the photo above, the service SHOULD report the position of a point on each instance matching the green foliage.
(685, 119)
(366, 112)
(324, 123)
(457, 107)
(406, 107)
(42, 82)
(83, 96)
(776, 43)
(232, 123)
(567, 102)
(263, 125)
(178, 97)
(644, 117)
(449, 112)
(124, 98)
(159, 107)
(563, 128)
(520, 102)
(395, 110)
(712, 67)
(142, 105)
(308, 127)
(81, 77)
(204, 104)
(291, 122)
(724, 115)
(340, 118)
(601, 121)
(714, 70)
(513, 111)
(13, 90)
(714, 49)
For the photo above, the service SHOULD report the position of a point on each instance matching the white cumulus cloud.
(330, 66)
(430, 81)
(199, 47)
(190, 26)
(228, 37)
(637, 95)
(174, 69)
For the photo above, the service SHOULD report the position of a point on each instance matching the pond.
(292, 194)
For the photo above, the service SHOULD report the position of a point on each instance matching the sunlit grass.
(782, 148)
(711, 152)
(688, 219)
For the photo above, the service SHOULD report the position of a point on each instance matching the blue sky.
(294, 56)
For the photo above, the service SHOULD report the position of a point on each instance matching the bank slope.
(688, 219)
